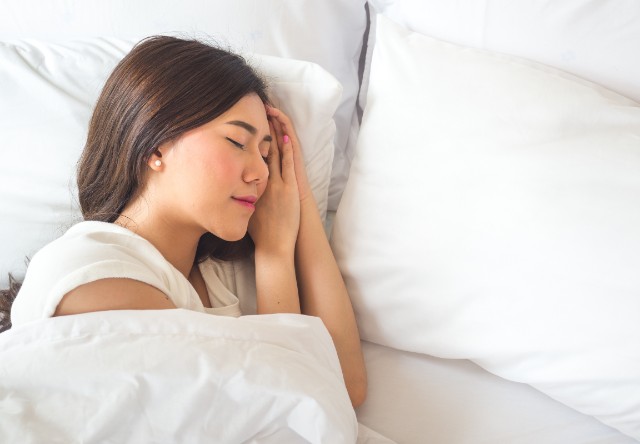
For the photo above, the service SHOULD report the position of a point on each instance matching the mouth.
(247, 201)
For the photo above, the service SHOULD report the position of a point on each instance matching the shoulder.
(89, 252)
(102, 247)
(123, 275)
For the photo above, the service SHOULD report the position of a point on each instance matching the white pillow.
(329, 33)
(596, 40)
(48, 91)
(493, 213)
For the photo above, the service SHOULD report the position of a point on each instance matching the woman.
(186, 162)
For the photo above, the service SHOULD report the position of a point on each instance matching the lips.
(247, 201)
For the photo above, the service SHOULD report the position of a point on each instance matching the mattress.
(416, 398)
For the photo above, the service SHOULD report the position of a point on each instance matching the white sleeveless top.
(90, 251)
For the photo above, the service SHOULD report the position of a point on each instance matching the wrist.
(275, 254)
(309, 203)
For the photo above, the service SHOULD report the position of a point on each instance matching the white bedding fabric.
(417, 399)
(492, 214)
(173, 376)
(329, 33)
(593, 39)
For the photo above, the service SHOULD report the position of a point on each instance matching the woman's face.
(211, 177)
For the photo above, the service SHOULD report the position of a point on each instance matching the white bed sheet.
(173, 376)
(415, 398)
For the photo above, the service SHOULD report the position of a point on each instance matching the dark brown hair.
(163, 88)
(6, 300)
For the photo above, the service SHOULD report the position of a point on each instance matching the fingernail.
(286, 139)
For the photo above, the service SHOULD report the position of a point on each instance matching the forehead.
(249, 109)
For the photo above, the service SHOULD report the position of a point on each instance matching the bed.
(478, 167)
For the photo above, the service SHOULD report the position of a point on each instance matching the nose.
(256, 169)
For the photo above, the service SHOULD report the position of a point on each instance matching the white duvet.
(172, 376)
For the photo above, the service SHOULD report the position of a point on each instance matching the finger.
(280, 123)
(285, 124)
(276, 117)
(288, 165)
(278, 128)
(298, 161)
(273, 159)
(271, 110)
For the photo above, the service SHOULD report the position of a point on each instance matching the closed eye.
(241, 146)
(237, 144)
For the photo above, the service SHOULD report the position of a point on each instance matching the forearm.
(323, 294)
(276, 285)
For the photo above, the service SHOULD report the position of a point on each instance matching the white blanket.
(173, 376)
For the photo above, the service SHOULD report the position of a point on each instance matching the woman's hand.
(275, 223)
(283, 126)
(274, 229)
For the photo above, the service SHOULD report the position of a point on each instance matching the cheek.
(219, 168)
(261, 188)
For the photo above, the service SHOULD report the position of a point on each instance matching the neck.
(176, 242)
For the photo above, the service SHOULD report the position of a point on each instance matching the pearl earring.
(158, 163)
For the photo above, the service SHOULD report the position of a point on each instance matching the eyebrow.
(249, 128)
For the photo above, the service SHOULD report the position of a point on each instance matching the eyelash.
(237, 144)
(241, 146)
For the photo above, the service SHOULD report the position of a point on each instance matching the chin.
(229, 233)
(233, 236)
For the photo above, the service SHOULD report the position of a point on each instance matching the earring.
(158, 163)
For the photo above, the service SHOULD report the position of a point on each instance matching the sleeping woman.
(186, 163)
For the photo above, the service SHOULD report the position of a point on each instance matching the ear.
(155, 161)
